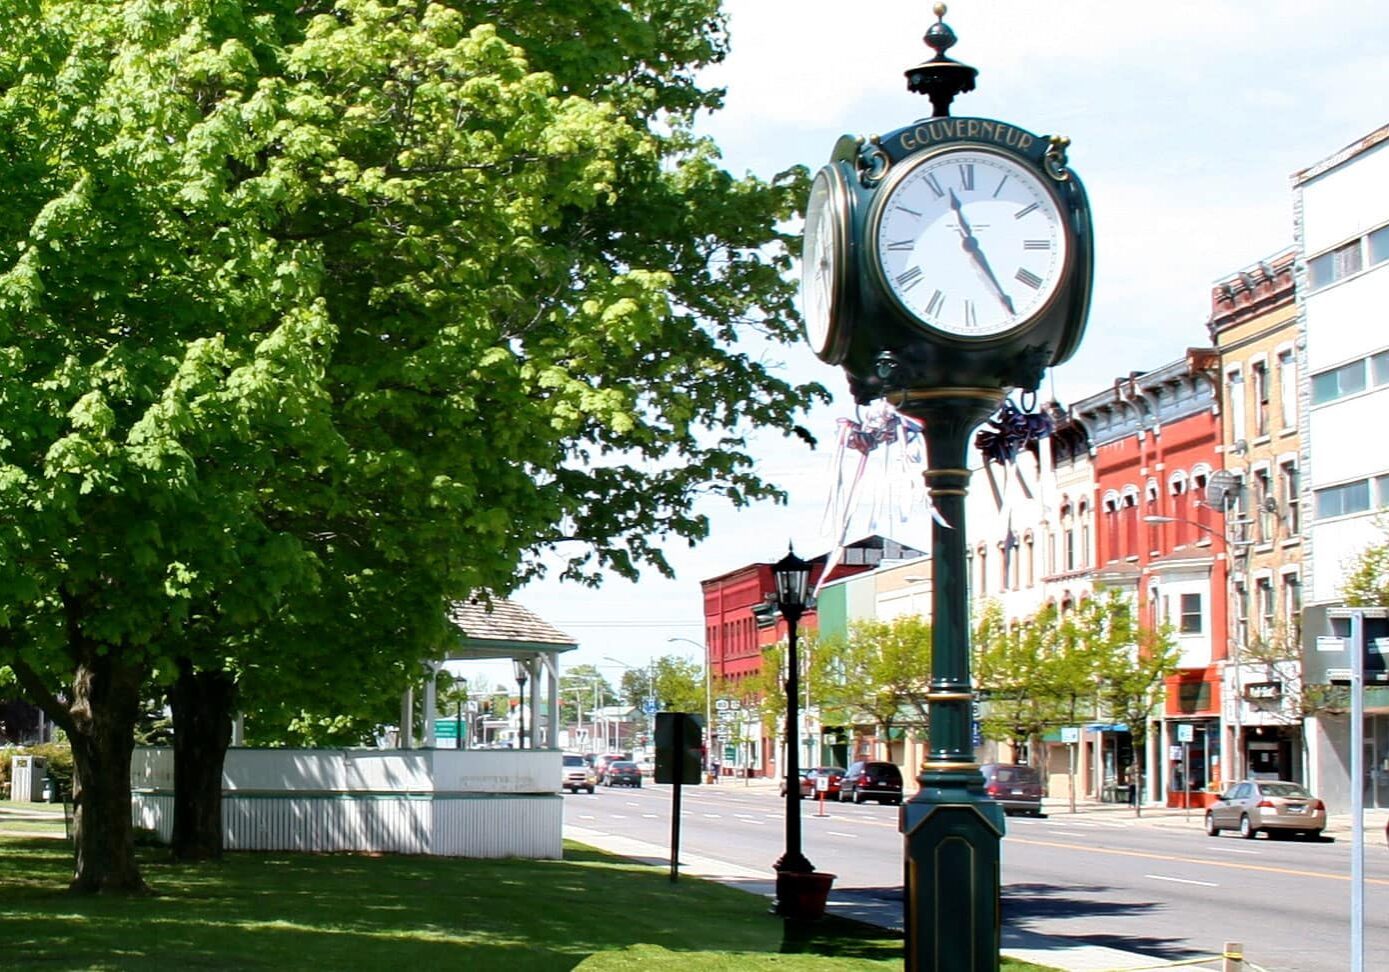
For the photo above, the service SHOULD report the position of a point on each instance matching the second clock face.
(969, 242)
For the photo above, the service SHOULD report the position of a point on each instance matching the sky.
(1186, 119)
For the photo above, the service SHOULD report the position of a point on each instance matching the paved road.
(1156, 886)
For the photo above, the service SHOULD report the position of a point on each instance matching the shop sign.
(1263, 691)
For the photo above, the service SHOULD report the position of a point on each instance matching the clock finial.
(941, 78)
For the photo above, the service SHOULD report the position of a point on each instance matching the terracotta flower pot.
(802, 894)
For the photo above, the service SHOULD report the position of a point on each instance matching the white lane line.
(1234, 850)
(836, 833)
(618, 816)
(587, 816)
(1066, 833)
(744, 816)
(714, 816)
(651, 816)
(1163, 877)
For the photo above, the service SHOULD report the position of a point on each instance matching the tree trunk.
(105, 704)
(202, 708)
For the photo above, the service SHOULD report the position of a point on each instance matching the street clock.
(944, 265)
(952, 251)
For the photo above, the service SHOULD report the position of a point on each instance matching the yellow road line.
(1233, 865)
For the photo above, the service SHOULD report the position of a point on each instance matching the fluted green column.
(951, 829)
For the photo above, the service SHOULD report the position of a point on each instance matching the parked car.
(622, 772)
(833, 777)
(805, 771)
(601, 764)
(1276, 806)
(577, 774)
(1017, 788)
(871, 780)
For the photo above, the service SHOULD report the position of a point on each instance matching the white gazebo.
(408, 800)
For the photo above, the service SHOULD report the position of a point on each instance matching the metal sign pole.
(1357, 791)
(1186, 776)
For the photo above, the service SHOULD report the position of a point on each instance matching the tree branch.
(40, 695)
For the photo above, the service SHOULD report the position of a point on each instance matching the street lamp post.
(650, 671)
(796, 877)
(522, 676)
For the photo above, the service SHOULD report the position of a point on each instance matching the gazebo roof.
(503, 629)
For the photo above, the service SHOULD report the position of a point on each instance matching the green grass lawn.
(590, 911)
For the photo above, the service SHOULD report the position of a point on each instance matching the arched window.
(1084, 519)
(1129, 521)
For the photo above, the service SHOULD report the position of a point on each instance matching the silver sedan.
(1275, 806)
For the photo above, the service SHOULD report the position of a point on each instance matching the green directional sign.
(445, 728)
(729, 753)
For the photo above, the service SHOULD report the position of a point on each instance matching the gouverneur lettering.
(942, 130)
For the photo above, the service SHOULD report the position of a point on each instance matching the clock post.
(945, 265)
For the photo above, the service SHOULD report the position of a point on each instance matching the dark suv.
(1018, 789)
(866, 780)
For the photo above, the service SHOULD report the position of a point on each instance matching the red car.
(810, 787)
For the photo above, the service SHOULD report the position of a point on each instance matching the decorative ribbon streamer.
(897, 489)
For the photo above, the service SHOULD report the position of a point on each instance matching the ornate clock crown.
(941, 78)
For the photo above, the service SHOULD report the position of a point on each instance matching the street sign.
(1185, 732)
(1070, 734)
(445, 728)
(721, 705)
(729, 753)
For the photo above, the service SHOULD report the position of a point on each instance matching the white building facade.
(1341, 216)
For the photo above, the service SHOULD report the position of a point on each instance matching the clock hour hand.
(976, 255)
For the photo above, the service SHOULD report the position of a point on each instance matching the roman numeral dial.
(968, 241)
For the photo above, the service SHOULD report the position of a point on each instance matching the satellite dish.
(1221, 489)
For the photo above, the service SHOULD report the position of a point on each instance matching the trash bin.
(28, 777)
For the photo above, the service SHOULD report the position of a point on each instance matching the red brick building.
(1156, 440)
(738, 625)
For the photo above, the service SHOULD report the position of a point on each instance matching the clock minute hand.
(981, 263)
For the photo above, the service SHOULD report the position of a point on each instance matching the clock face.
(969, 242)
(823, 261)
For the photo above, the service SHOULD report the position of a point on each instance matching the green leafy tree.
(1133, 661)
(881, 672)
(1367, 583)
(315, 321)
(1036, 673)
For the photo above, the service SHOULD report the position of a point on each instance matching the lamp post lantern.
(946, 264)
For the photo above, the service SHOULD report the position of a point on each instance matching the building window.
(1234, 393)
(1379, 369)
(1292, 606)
(1084, 534)
(1378, 245)
(1191, 614)
(1265, 504)
(1326, 269)
(1241, 614)
(1342, 500)
(1029, 560)
(1287, 389)
(1263, 592)
(1349, 379)
(1287, 472)
(1260, 371)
